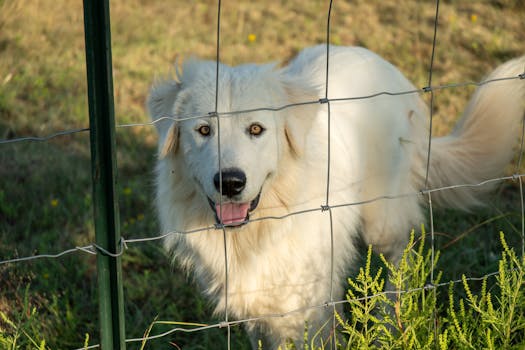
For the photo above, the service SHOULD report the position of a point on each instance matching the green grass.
(45, 190)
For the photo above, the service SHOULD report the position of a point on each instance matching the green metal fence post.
(103, 160)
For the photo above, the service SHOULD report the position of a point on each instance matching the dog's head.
(230, 158)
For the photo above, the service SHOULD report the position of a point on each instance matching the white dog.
(249, 171)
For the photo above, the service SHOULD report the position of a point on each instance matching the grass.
(45, 191)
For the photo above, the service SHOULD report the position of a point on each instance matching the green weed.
(45, 188)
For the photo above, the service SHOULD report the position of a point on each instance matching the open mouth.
(233, 214)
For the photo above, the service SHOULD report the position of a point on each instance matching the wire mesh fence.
(326, 206)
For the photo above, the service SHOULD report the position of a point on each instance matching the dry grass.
(43, 89)
(42, 60)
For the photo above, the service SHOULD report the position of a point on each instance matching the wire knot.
(325, 207)
(323, 100)
(328, 304)
(123, 243)
(427, 89)
(522, 75)
(104, 251)
(429, 286)
(219, 226)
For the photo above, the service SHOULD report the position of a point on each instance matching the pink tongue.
(232, 213)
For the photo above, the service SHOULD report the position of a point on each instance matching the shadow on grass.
(46, 207)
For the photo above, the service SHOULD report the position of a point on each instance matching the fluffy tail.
(483, 142)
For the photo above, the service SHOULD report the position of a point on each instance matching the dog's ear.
(170, 144)
(299, 118)
(160, 104)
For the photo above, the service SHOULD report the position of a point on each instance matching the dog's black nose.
(233, 182)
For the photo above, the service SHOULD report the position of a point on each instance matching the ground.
(45, 192)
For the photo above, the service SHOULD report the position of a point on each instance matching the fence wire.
(227, 324)
(427, 170)
(95, 249)
(326, 206)
(223, 228)
(181, 118)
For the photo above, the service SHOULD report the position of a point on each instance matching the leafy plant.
(493, 319)
(408, 316)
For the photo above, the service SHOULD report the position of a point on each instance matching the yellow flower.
(140, 217)
(54, 203)
(252, 37)
(473, 18)
(127, 191)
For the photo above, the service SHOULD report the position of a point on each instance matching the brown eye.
(255, 129)
(204, 130)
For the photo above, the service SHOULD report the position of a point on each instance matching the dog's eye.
(255, 129)
(204, 130)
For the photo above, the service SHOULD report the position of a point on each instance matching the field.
(45, 190)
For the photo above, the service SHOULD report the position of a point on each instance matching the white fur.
(378, 148)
